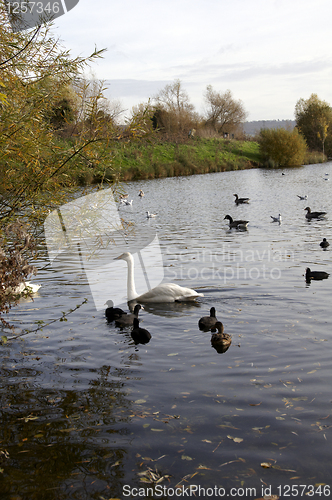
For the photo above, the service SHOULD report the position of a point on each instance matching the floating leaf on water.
(4, 339)
(185, 457)
(145, 480)
(27, 419)
(280, 418)
(229, 426)
(145, 426)
(268, 497)
(237, 440)
(140, 401)
(271, 369)
(255, 404)
(266, 465)
(206, 441)
(38, 435)
(312, 371)
(173, 354)
(157, 430)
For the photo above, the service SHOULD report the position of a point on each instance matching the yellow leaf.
(266, 465)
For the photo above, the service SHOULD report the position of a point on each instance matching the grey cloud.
(245, 71)
(130, 87)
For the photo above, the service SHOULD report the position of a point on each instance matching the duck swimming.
(140, 335)
(128, 319)
(324, 243)
(313, 215)
(315, 275)
(206, 323)
(166, 292)
(238, 224)
(113, 313)
(220, 339)
(239, 201)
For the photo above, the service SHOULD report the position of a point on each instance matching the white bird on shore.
(141, 193)
(166, 292)
(305, 197)
(126, 202)
(150, 216)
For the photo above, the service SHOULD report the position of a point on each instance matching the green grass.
(149, 160)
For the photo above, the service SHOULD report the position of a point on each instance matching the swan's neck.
(131, 290)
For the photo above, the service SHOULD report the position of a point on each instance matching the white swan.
(166, 292)
(25, 286)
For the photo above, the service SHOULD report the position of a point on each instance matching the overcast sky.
(269, 53)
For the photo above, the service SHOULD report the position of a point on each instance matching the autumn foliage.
(282, 147)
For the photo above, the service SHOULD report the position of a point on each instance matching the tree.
(35, 72)
(223, 113)
(314, 119)
(173, 110)
(282, 147)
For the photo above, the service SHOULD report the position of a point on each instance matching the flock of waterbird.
(163, 293)
(242, 225)
(170, 292)
(219, 339)
(123, 198)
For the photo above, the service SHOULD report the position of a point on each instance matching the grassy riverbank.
(197, 156)
(155, 159)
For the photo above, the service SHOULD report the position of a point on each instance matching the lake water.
(87, 414)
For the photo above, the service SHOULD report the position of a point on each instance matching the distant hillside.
(252, 128)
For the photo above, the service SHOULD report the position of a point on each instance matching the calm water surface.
(86, 414)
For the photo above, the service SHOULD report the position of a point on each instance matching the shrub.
(282, 147)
